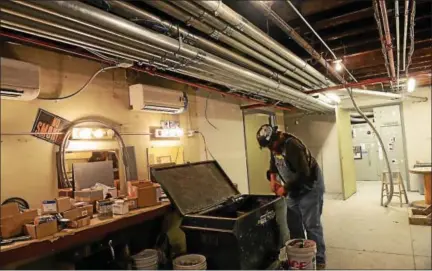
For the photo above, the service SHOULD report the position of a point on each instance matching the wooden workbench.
(426, 172)
(69, 238)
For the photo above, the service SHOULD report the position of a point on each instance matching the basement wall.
(319, 134)
(28, 163)
(417, 125)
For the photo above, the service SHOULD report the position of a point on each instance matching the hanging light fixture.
(411, 84)
(338, 65)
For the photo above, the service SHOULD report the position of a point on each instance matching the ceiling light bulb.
(179, 132)
(338, 65)
(411, 84)
(99, 133)
(333, 97)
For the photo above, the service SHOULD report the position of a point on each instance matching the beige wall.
(28, 164)
(227, 142)
(258, 159)
(349, 182)
(320, 135)
(417, 125)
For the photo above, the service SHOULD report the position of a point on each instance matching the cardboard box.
(112, 191)
(89, 195)
(120, 207)
(132, 202)
(147, 196)
(76, 213)
(86, 210)
(12, 225)
(64, 204)
(65, 192)
(9, 209)
(41, 230)
(72, 214)
(82, 222)
(49, 207)
(133, 185)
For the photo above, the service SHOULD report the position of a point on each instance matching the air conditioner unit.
(156, 99)
(18, 80)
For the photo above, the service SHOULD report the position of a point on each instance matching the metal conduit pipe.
(223, 11)
(287, 29)
(217, 29)
(388, 38)
(397, 42)
(381, 35)
(389, 198)
(221, 81)
(95, 16)
(129, 11)
(5, 23)
(318, 36)
(146, 70)
(45, 32)
(146, 62)
(406, 14)
(81, 33)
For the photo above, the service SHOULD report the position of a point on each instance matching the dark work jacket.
(302, 166)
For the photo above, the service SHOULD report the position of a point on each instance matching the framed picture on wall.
(357, 152)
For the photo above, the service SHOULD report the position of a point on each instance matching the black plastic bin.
(233, 231)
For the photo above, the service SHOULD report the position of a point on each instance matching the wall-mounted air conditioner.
(156, 99)
(18, 80)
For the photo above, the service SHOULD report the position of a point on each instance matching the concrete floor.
(360, 234)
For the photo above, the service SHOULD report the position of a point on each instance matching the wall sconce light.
(92, 134)
(168, 133)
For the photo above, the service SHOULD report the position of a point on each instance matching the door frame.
(271, 121)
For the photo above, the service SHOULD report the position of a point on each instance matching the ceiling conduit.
(93, 18)
(129, 11)
(221, 31)
(219, 9)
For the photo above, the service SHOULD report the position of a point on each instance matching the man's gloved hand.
(274, 185)
(281, 192)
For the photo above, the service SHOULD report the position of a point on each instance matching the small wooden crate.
(421, 216)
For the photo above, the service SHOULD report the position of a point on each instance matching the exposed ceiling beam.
(383, 73)
(368, 28)
(315, 6)
(350, 32)
(343, 19)
(374, 57)
(381, 68)
(307, 8)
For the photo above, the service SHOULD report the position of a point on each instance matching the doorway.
(369, 160)
(257, 159)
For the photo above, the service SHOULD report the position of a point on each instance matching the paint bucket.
(146, 260)
(301, 254)
(190, 262)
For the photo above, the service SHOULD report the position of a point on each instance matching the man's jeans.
(304, 214)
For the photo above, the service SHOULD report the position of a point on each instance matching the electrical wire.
(96, 53)
(83, 87)
(205, 112)
(390, 194)
(206, 149)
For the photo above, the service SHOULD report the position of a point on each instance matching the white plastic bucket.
(301, 254)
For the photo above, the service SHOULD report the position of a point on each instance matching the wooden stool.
(397, 182)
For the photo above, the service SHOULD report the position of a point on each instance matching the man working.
(295, 174)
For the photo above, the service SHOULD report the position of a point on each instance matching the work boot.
(320, 266)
